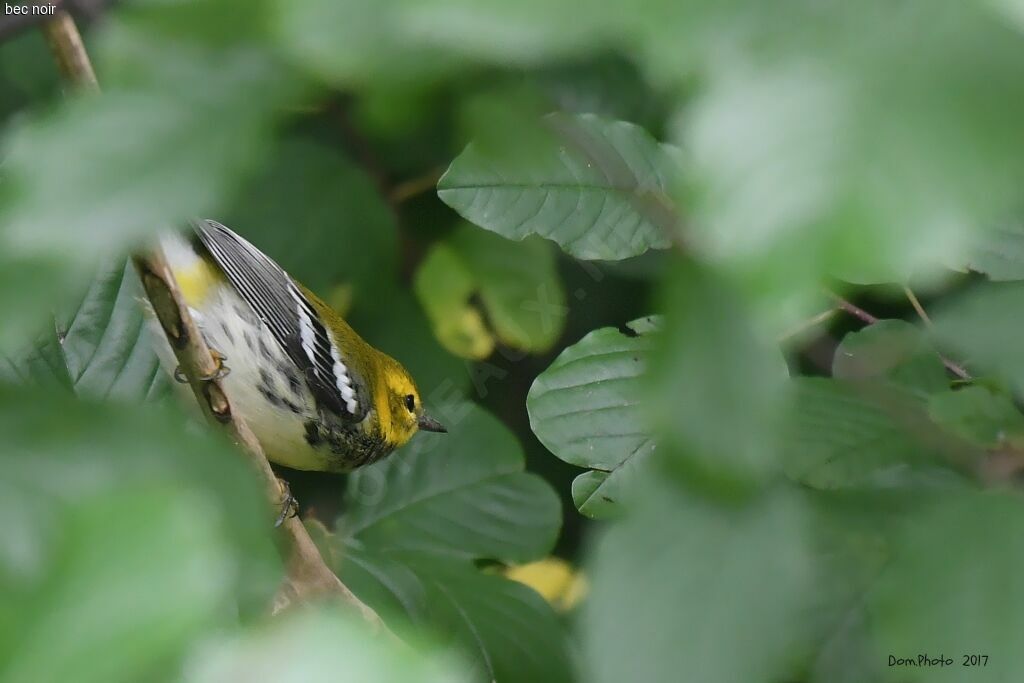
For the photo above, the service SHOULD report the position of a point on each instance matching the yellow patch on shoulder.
(197, 280)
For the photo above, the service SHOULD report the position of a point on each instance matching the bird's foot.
(289, 504)
(220, 370)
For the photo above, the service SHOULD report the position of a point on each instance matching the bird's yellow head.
(397, 402)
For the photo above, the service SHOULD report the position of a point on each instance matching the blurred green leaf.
(138, 576)
(359, 43)
(519, 292)
(719, 387)
(506, 629)
(953, 588)
(416, 522)
(316, 647)
(364, 43)
(29, 290)
(853, 539)
(586, 409)
(849, 434)
(348, 232)
(999, 253)
(100, 347)
(112, 195)
(79, 193)
(681, 585)
(893, 350)
(978, 324)
(859, 140)
(600, 189)
(978, 414)
(125, 537)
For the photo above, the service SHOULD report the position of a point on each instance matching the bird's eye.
(410, 402)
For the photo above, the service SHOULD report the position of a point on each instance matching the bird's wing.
(290, 317)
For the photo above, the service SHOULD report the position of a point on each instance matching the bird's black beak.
(429, 424)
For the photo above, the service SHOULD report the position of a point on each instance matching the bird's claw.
(289, 504)
(220, 372)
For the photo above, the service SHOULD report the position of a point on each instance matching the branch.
(69, 52)
(308, 576)
(860, 313)
(408, 189)
(918, 308)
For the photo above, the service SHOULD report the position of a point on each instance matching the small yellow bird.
(316, 396)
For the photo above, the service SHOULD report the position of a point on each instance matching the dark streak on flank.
(275, 399)
(272, 398)
(293, 383)
(312, 433)
(264, 349)
(265, 378)
(227, 332)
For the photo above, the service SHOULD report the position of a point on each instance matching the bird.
(314, 393)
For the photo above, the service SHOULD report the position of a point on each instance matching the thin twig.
(863, 315)
(957, 369)
(853, 309)
(413, 187)
(308, 576)
(921, 313)
(69, 52)
(807, 324)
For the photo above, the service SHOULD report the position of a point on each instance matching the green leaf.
(416, 523)
(598, 493)
(30, 288)
(680, 584)
(824, 145)
(366, 44)
(117, 549)
(954, 588)
(316, 646)
(600, 189)
(719, 386)
(113, 194)
(348, 232)
(126, 536)
(893, 350)
(503, 627)
(359, 43)
(844, 434)
(100, 347)
(852, 535)
(586, 409)
(999, 253)
(463, 494)
(977, 324)
(979, 415)
(517, 284)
